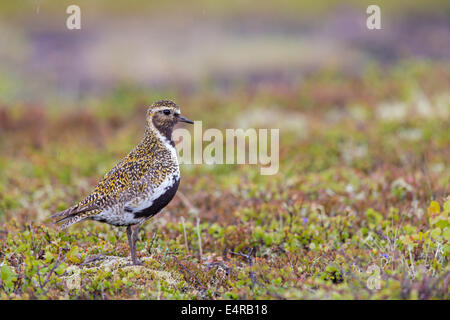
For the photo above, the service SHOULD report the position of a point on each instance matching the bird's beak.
(183, 119)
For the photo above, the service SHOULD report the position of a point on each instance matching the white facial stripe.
(163, 108)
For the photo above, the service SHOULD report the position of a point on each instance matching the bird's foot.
(137, 262)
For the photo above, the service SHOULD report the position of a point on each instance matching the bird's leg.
(134, 238)
(130, 243)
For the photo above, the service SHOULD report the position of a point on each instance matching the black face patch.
(164, 124)
(160, 202)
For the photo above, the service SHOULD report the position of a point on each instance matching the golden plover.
(140, 185)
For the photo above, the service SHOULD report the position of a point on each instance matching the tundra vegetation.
(359, 207)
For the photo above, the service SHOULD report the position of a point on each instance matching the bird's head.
(163, 115)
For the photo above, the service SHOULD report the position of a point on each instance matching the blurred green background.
(184, 45)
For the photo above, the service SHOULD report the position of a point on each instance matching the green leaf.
(446, 234)
(61, 269)
(434, 208)
(8, 277)
(7, 273)
(435, 233)
(447, 206)
(373, 216)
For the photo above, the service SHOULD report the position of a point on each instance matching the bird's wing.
(105, 190)
(125, 176)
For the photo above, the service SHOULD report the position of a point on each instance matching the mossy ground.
(358, 210)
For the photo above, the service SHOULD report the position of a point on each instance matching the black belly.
(159, 203)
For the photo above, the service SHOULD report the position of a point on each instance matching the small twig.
(47, 279)
(289, 259)
(57, 263)
(92, 259)
(249, 259)
(38, 271)
(187, 270)
(33, 245)
(185, 236)
(199, 238)
(155, 235)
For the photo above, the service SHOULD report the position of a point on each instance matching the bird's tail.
(68, 221)
(71, 216)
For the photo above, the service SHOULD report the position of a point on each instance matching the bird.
(140, 185)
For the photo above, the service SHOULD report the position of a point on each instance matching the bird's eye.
(166, 112)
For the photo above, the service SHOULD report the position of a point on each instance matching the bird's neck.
(156, 144)
(159, 135)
